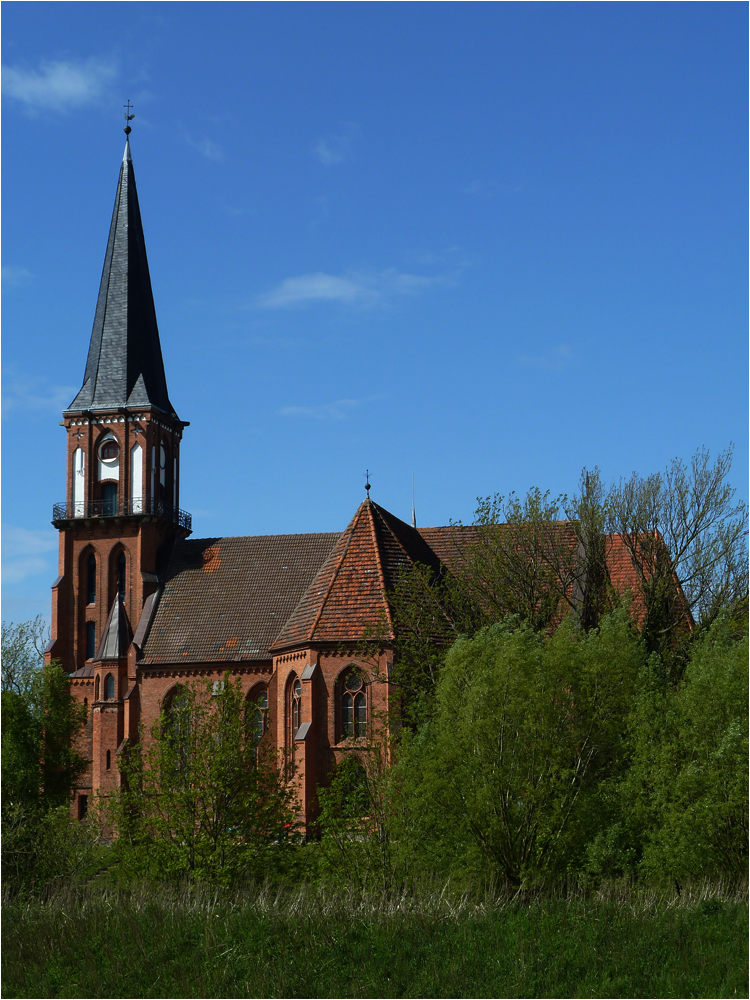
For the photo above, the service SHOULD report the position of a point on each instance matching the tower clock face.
(109, 450)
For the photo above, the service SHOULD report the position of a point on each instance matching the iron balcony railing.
(122, 508)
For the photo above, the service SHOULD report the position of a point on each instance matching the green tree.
(204, 798)
(688, 784)
(527, 729)
(683, 525)
(40, 723)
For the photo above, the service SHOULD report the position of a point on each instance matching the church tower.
(121, 513)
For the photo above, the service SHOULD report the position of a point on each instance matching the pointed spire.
(413, 509)
(117, 634)
(124, 365)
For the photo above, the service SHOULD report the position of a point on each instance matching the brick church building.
(140, 608)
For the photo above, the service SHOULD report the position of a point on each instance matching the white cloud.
(24, 553)
(12, 277)
(335, 148)
(58, 85)
(208, 148)
(353, 288)
(23, 393)
(335, 410)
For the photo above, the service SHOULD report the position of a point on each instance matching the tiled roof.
(349, 595)
(124, 365)
(227, 598)
(117, 634)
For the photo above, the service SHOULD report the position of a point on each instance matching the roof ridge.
(348, 538)
(379, 560)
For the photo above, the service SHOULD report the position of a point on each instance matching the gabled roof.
(124, 365)
(227, 598)
(349, 594)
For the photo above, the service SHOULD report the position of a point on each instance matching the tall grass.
(147, 941)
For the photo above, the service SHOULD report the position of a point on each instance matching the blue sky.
(487, 244)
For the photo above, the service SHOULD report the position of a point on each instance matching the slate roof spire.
(124, 367)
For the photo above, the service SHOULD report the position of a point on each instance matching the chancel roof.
(124, 365)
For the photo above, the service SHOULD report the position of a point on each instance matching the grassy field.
(164, 942)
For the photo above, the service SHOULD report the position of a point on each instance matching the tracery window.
(353, 704)
(294, 707)
(257, 714)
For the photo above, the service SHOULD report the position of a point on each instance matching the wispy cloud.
(352, 288)
(12, 277)
(338, 147)
(553, 360)
(26, 553)
(59, 85)
(208, 148)
(339, 409)
(23, 392)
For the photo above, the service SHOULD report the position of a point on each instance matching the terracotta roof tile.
(226, 598)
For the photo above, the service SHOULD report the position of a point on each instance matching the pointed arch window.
(294, 707)
(257, 714)
(353, 704)
(121, 575)
(90, 640)
(91, 579)
(178, 723)
(96, 689)
(109, 688)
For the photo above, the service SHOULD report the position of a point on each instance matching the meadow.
(166, 941)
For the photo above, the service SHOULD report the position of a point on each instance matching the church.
(140, 608)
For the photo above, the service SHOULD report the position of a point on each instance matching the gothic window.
(96, 689)
(91, 580)
(90, 640)
(257, 714)
(353, 704)
(121, 566)
(178, 727)
(109, 688)
(294, 707)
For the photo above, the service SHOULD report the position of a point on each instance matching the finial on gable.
(367, 483)
(128, 117)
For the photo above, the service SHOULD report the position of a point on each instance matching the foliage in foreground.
(205, 797)
(155, 943)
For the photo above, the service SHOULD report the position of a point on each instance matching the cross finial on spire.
(128, 117)
(367, 483)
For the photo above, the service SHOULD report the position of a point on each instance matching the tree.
(527, 728)
(40, 722)
(683, 526)
(204, 798)
(23, 654)
(688, 783)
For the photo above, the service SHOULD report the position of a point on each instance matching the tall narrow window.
(121, 566)
(109, 688)
(353, 705)
(83, 806)
(109, 759)
(91, 580)
(96, 689)
(109, 499)
(295, 707)
(257, 715)
(90, 640)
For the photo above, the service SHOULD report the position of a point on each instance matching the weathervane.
(367, 483)
(128, 117)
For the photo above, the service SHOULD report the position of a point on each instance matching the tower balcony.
(141, 507)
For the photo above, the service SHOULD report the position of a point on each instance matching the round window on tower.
(109, 450)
